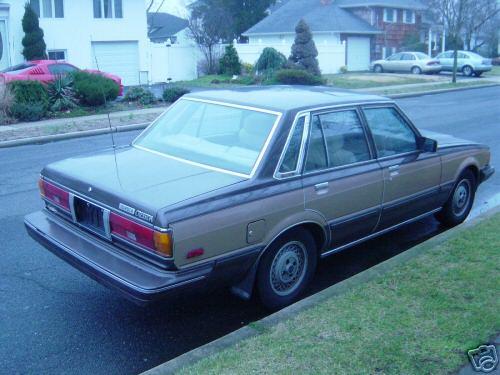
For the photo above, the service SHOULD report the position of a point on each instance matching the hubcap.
(288, 268)
(416, 71)
(467, 71)
(461, 197)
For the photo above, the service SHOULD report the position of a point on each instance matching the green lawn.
(419, 318)
(494, 72)
(440, 86)
(369, 80)
(216, 81)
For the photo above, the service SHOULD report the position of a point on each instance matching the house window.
(108, 8)
(408, 16)
(390, 15)
(48, 8)
(57, 54)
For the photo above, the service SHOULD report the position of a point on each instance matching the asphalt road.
(55, 320)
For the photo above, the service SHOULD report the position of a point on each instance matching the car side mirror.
(428, 145)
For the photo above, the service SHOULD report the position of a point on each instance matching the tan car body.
(235, 219)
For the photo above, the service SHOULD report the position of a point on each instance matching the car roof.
(286, 98)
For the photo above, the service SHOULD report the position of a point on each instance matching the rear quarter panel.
(456, 159)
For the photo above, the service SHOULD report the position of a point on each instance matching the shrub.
(247, 68)
(171, 94)
(61, 94)
(94, 89)
(304, 53)
(30, 100)
(140, 95)
(230, 63)
(270, 60)
(33, 44)
(28, 111)
(6, 100)
(344, 69)
(297, 77)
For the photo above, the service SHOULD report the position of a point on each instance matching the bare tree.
(478, 22)
(453, 14)
(209, 24)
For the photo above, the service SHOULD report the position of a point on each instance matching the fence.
(178, 62)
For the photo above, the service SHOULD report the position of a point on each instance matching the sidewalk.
(77, 124)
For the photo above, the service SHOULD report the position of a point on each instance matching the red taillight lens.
(54, 194)
(433, 63)
(141, 235)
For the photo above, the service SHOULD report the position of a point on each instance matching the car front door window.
(391, 134)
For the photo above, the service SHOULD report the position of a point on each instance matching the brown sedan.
(249, 189)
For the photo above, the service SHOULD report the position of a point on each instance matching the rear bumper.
(134, 278)
(486, 173)
(432, 68)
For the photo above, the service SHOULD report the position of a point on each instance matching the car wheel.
(467, 71)
(416, 70)
(378, 69)
(458, 206)
(478, 74)
(286, 269)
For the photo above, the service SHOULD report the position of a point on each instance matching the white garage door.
(358, 53)
(120, 58)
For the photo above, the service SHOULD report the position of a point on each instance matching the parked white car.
(469, 63)
(407, 62)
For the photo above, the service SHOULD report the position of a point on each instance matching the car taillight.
(54, 194)
(159, 242)
(433, 63)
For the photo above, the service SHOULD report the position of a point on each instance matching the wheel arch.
(317, 228)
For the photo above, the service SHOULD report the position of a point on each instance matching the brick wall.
(393, 34)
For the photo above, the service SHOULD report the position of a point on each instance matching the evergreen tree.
(33, 43)
(230, 61)
(304, 53)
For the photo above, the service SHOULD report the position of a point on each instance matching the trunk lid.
(136, 178)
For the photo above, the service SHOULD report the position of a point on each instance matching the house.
(368, 29)
(164, 26)
(110, 35)
(173, 54)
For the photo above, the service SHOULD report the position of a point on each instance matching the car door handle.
(393, 171)
(321, 188)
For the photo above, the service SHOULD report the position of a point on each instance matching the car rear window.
(16, 69)
(231, 138)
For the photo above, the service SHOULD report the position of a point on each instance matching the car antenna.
(104, 97)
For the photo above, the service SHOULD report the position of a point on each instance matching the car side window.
(462, 55)
(59, 69)
(291, 158)
(316, 151)
(391, 134)
(408, 57)
(395, 57)
(345, 138)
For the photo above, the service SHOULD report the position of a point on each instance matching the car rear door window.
(408, 57)
(291, 158)
(316, 151)
(391, 134)
(345, 138)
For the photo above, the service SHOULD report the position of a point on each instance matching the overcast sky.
(177, 7)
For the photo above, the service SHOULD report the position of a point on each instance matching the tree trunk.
(455, 62)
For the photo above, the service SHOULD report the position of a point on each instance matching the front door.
(411, 177)
(4, 46)
(341, 178)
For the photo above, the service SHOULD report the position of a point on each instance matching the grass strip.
(419, 318)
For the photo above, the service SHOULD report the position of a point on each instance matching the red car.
(46, 71)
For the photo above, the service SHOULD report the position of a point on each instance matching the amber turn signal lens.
(163, 243)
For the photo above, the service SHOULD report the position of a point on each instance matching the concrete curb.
(193, 356)
(83, 133)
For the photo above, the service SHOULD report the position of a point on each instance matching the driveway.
(55, 320)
